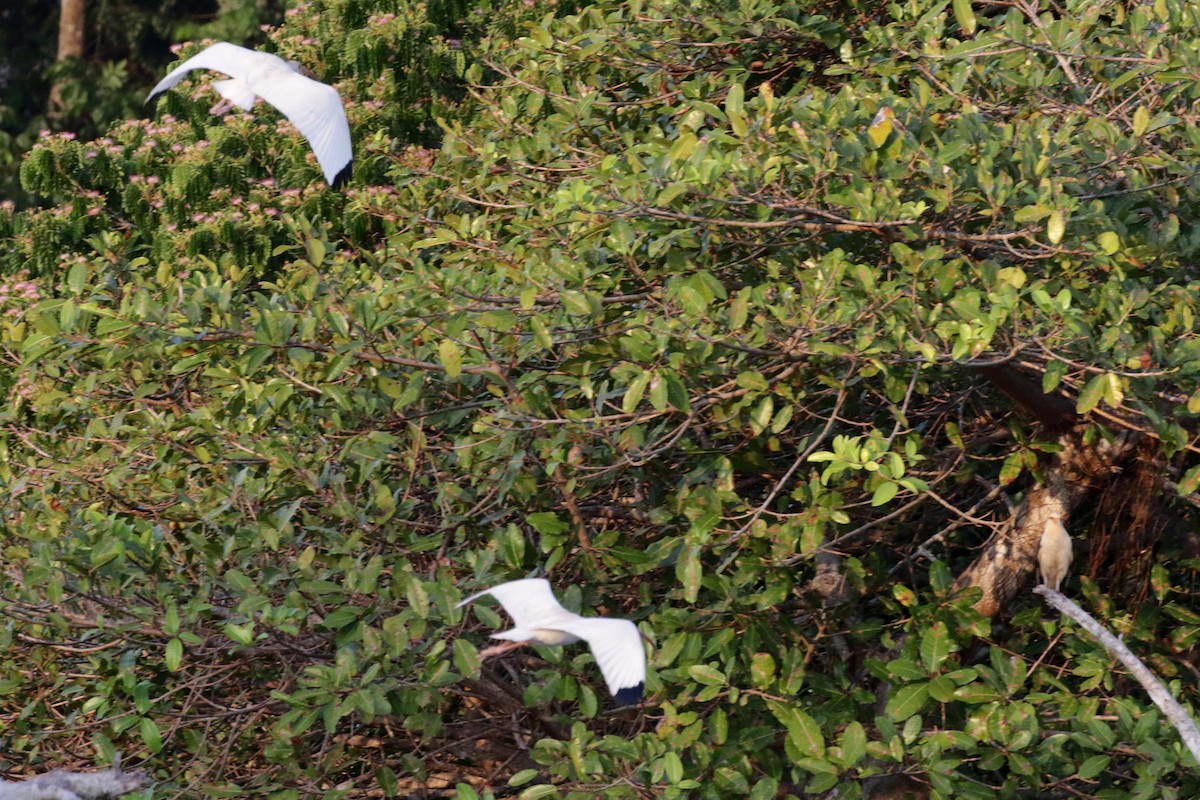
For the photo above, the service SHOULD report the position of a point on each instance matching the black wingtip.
(630, 695)
(342, 177)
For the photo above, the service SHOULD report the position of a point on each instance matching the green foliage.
(125, 47)
(688, 300)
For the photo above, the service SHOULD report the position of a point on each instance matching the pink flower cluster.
(17, 295)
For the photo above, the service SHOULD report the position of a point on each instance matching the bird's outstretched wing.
(313, 107)
(617, 646)
(236, 62)
(316, 110)
(530, 603)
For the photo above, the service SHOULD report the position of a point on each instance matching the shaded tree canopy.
(779, 329)
(125, 44)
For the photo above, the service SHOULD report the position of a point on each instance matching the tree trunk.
(70, 45)
(70, 30)
(1008, 563)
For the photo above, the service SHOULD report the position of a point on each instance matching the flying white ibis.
(1054, 553)
(539, 619)
(313, 107)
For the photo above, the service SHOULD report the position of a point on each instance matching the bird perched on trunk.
(1055, 552)
(313, 107)
(539, 619)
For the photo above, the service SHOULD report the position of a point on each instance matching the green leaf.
(317, 250)
(762, 670)
(688, 571)
(450, 355)
(684, 147)
(1092, 767)
(881, 126)
(1056, 226)
(150, 734)
(942, 689)
(635, 391)
(173, 657)
(803, 731)
(1190, 482)
(389, 784)
(1141, 121)
(935, 645)
(1031, 213)
(734, 98)
(884, 493)
(765, 789)
(1114, 391)
(1109, 242)
(523, 777)
(965, 16)
(242, 634)
(709, 676)
(734, 109)
(466, 657)
(854, 744)
(672, 767)
(1092, 394)
(907, 701)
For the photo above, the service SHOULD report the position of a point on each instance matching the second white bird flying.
(538, 618)
(313, 107)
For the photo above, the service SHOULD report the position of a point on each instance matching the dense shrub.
(687, 310)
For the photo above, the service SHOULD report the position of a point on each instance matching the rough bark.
(70, 29)
(71, 22)
(1008, 562)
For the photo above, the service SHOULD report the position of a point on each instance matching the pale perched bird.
(313, 107)
(1055, 553)
(539, 619)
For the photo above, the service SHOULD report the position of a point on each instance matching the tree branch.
(63, 785)
(1162, 698)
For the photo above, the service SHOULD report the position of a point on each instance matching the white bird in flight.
(313, 107)
(538, 618)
